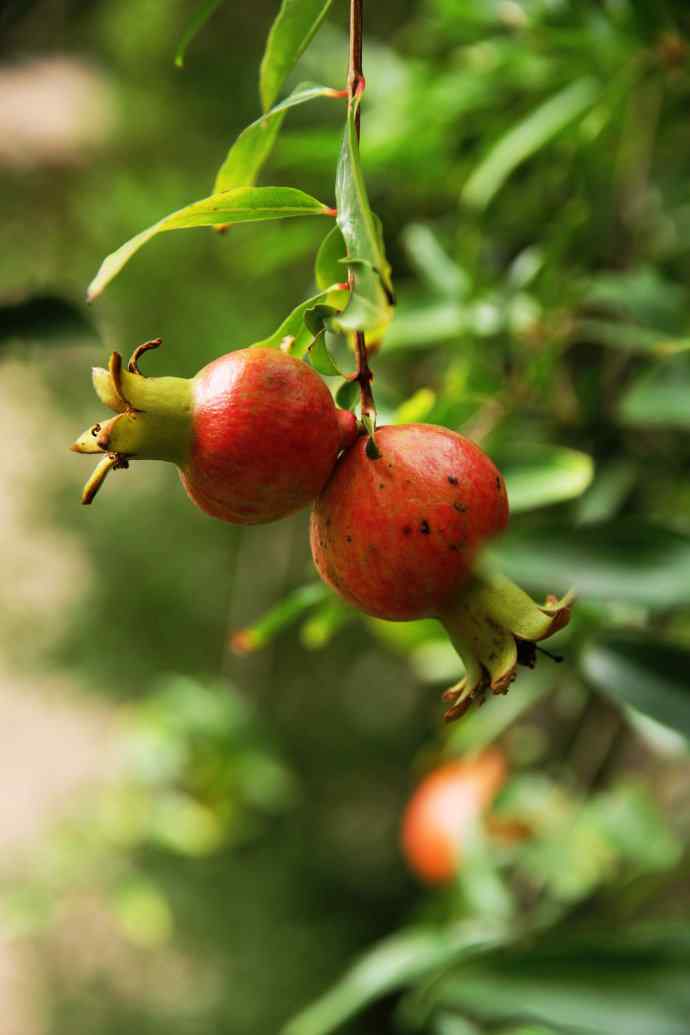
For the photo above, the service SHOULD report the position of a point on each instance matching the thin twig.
(355, 85)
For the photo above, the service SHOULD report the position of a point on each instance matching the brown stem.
(355, 85)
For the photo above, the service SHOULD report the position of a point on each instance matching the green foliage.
(528, 162)
(241, 205)
(295, 26)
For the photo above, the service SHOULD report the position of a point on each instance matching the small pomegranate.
(255, 434)
(443, 811)
(399, 537)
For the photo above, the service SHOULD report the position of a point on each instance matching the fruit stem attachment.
(355, 87)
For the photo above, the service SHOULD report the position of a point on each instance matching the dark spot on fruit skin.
(498, 483)
(381, 485)
(407, 530)
(452, 546)
(452, 480)
(460, 507)
(424, 527)
(348, 538)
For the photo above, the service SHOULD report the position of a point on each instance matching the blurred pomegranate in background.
(444, 808)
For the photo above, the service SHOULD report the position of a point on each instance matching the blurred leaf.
(144, 913)
(425, 323)
(526, 138)
(416, 408)
(629, 336)
(404, 957)
(632, 822)
(45, 319)
(252, 147)
(593, 987)
(369, 305)
(541, 475)
(659, 397)
(329, 267)
(284, 613)
(644, 673)
(321, 626)
(607, 493)
(196, 23)
(432, 263)
(242, 205)
(294, 27)
(624, 560)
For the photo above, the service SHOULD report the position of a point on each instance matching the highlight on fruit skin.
(444, 811)
(400, 537)
(255, 434)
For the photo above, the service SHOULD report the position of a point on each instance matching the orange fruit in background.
(442, 810)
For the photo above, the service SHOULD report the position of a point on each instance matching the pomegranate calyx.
(152, 418)
(494, 626)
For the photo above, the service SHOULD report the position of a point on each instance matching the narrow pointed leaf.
(394, 963)
(243, 205)
(202, 14)
(291, 33)
(645, 673)
(526, 138)
(255, 143)
(369, 307)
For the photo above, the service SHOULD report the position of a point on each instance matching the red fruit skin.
(265, 436)
(443, 810)
(397, 536)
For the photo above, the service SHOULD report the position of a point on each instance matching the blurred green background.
(195, 841)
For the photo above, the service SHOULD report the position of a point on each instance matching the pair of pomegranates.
(256, 436)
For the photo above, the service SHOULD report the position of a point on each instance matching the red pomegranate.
(444, 810)
(399, 536)
(255, 434)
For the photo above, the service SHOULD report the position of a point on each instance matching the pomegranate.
(443, 811)
(399, 537)
(255, 434)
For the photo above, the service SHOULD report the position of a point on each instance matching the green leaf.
(525, 138)
(329, 268)
(255, 143)
(644, 673)
(395, 962)
(545, 474)
(369, 306)
(423, 324)
(196, 24)
(242, 205)
(320, 358)
(294, 326)
(629, 336)
(598, 986)
(660, 397)
(284, 613)
(432, 262)
(621, 560)
(291, 33)
(347, 395)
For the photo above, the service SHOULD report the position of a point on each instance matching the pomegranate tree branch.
(355, 86)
